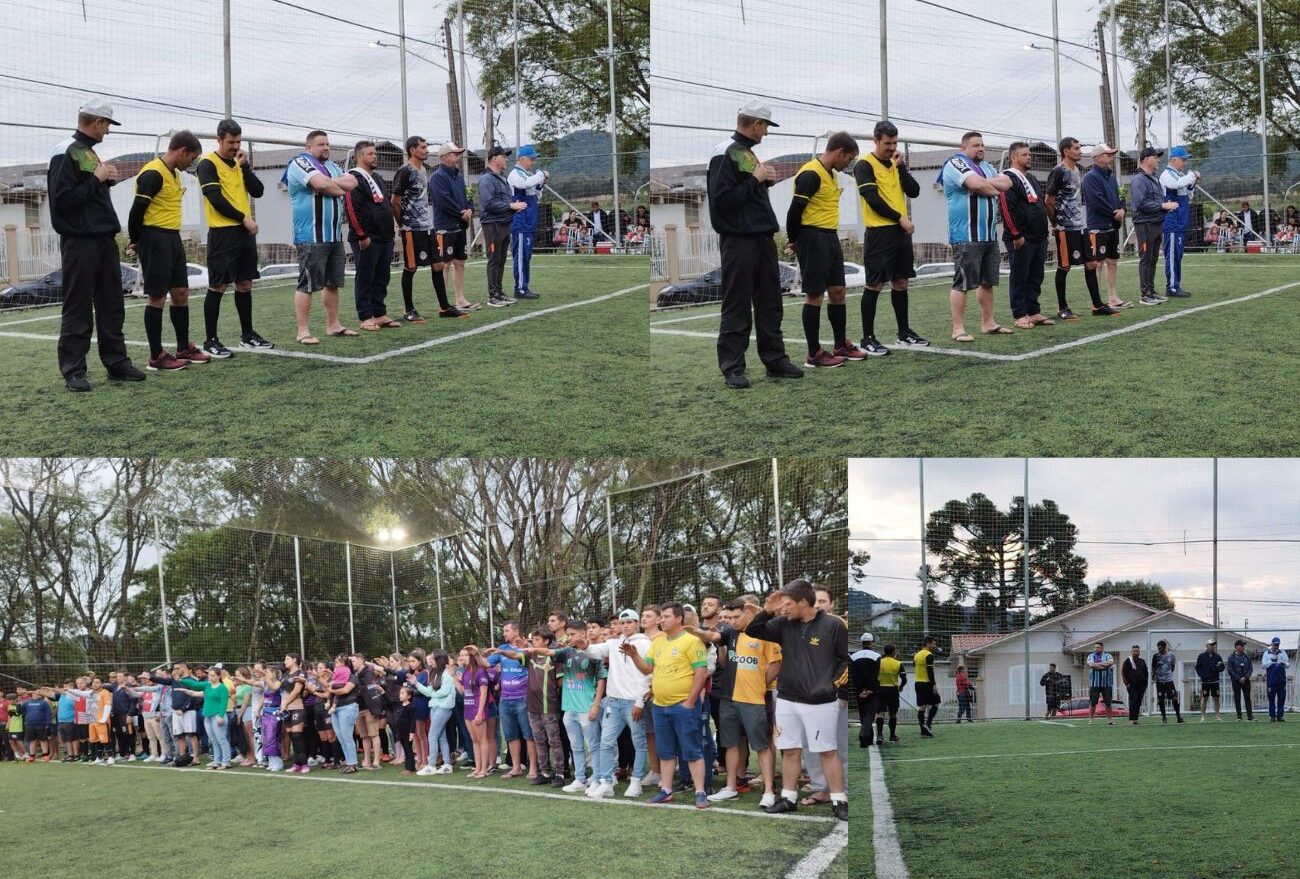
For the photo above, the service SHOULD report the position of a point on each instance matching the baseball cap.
(758, 110)
(98, 107)
(1239, 643)
(497, 151)
(1102, 149)
(1179, 152)
(1210, 641)
(1150, 151)
(867, 637)
(689, 608)
(629, 614)
(1276, 641)
(449, 147)
(528, 151)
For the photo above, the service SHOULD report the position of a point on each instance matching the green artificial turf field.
(247, 822)
(1218, 380)
(1046, 801)
(536, 378)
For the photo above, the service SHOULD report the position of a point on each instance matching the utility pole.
(884, 62)
(464, 75)
(613, 120)
(225, 36)
(1056, 66)
(1107, 109)
(1263, 122)
(1169, 87)
(401, 50)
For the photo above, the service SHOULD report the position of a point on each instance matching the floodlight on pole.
(384, 535)
(398, 534)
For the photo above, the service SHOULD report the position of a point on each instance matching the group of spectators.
(663, 699)
(580, 233)
(1228, 231)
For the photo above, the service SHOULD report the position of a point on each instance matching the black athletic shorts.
(449, 245)
(1166, 690)
(1104, 243)
(68, 732)
(1104, 693)
(294, 717)
(1072, 248)
(35, 732)
(232, 255)
(417, 249)
(887, 254)
(821, 261)
(1210, 687)
(321, 717)
(162, 260)
(83, 731)
(887, 700)
(926, 694)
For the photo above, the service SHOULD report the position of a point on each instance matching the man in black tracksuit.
(1135, 677)
(751, 277)
(864, 667)
(1024, 233)
(83, 215)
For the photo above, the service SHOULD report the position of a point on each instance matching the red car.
(1079, 708)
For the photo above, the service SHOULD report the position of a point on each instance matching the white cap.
(99, 108)
(629, 614)
(867, 637)
(448, 147)
(758, 110)
(1101, 148)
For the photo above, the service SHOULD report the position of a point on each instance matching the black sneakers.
(526, 294)
(253, 340)
(1106, 311)
(77, 382)
(1177, 294)
(872, 346)
(911, 340)
(841, 810)
(1066, 314)
(737, 380)
(784, 369)
(126, 373)
(216, 350)
(781, 806)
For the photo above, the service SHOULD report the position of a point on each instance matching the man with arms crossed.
(971, 186)
(1101, 681)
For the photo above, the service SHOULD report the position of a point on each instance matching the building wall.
(850, 210)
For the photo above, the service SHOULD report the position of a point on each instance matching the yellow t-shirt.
(889, 670)
(751, 657)
(674, 661)
(919, 662)
(164, 210)
(823, 210)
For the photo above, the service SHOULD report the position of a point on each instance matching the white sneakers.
(429, 769)
(633, 788)
(768, 801)
(110, 761)
(651, 778)
(574, 787)
(725, 794)
(600, 790)
(444, 769)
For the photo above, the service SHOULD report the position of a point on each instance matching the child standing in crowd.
(269, 719)
(403, 720)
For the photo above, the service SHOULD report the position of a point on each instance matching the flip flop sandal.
(963, 337)
(998, 331)
(370, 328)
(813, 801)
(345, 332)
(308, 340)
(1045, 322)
(1025, 324)
(389, 324)
(469, 306)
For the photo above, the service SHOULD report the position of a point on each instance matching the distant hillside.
(580, 165)
(1230, 166)
(859, 607)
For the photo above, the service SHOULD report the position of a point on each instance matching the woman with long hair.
(344, 693)
(441, 693)
(293, 686)
(320, 712)
(473, 684)
(371, 718)
(244, 711)
(419, 674)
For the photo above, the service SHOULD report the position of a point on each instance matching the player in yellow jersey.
(891, 678)
(927, 697)
(154, 229)
(812, 233)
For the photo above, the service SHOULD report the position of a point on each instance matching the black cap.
(1239, 643)
(1151, 151)
(497, 151)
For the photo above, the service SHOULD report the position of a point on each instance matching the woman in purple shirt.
(472, 681)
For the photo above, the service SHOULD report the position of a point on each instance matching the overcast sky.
(288, 65)
(944, 69)
(1128, 500)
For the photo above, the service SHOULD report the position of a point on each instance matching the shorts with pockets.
(1104, 243)
(449, 245)
(162, 261)
(1073, 248)
(320, 265)
(887, 255)
(737, 718)
(184, 723)
(976, 264)
(417, 249)
(812, 727)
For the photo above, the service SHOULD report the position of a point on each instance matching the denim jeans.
(677, 733)
(217, 736)
(708, 745)
(438, 720)
(514, 720)
(617, 714)
(584, 737)
(344, 720)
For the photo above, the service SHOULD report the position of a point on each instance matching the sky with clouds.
(1147, 519)
(949, 72)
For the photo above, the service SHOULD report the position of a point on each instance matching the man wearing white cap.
(1178, 188)
(864, 666)
(1274, 663)
(83, 215)
(451, 218)
(623, 707)
(751, 277)
(1104, 214)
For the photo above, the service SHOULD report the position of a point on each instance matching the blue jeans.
(343, 721)
(616, 715)
(217, 735)
(514, 720)
(462, 729)
(584, 738)
(677, 733)
(707, 744)
(438, 720)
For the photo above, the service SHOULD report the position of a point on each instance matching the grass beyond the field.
(564, 382)
(1044, 801)
(1220, 381)
(251, 823)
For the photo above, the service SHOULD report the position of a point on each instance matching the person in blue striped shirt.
(1101, 681)
(971, 186)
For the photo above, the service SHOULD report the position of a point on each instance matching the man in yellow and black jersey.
(812, 233)
(927, 697)
(227, 182)
(884, 185)
(889, 678)
(154, 229)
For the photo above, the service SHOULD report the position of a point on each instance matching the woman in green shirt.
(215, 695)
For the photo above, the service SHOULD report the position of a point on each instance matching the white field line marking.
(816, 862)
(54, 315)
(384, 355)
(1058, 723)
(884, 833)
(1095, 751)
(1051, 349)
(617, 801)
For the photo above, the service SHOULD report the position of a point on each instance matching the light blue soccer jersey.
(316, 217)
(971, 217)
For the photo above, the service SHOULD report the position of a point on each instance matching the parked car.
(198, 276)
(946, 269)
(1079, 708)
(708, 288)
(48, 289)
(279, 271)
(132, 280)
(854, 275)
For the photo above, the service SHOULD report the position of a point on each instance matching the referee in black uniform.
(751, 277)
(83, 215)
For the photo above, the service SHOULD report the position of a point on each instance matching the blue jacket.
(447, 197)
(494, 197)
(1146, 195)
(525, 187)
(1177, 187)
(1101, 199)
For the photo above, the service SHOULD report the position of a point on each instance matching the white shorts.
(183, 723)
(812, 727)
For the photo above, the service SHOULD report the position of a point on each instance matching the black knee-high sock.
(440, 288)
(1090, 278)
(299, 740)
(869, 299)
(812, 319)
(180, 315)
(153, 328)
(898, 299)
(338, 751)
(244, 305)
(407, 301)
(880, 728)
(838, 315)
(893, 725)
(934, 709)
(211, 311)
(1061, 275)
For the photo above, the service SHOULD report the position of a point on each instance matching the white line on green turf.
(1095, 751)
(619, 801)
(816, 862)
(954, 352)
(53, 315)
(1058, 723)
(884, 833)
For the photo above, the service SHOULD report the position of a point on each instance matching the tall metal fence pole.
(1114, 76)
(225, 52)
(1056, 65)
(1169, 87)
(925, 569)
(162, 591)
(776, 501)
(392, 579)
(613, 120)
(1024, 551)
(518, 97)
(1263, 125)
(609, 540)
(401, 51)
(1215, 545)
(884, 62)
(297, 577)
(352, 629)
(487, 561)
(437, 579)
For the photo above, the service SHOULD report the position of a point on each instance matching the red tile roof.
(966, 643)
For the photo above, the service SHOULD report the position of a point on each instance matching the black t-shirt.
(724, 679)
(350, 697)
(287, 683)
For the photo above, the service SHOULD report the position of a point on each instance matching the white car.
(854, 275)
(942, 269)
(198, 276)
(279, 271)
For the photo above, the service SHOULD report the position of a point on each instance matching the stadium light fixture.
(384, 535)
